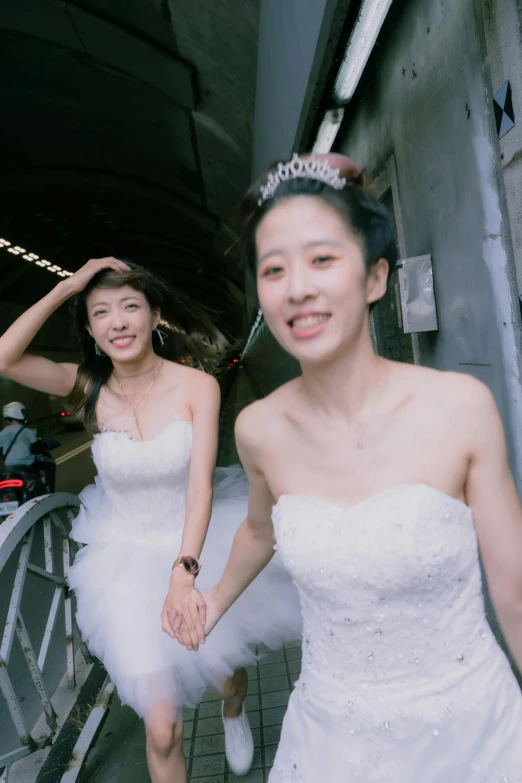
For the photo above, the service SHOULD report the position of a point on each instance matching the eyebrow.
(125, 299)
(307, 246)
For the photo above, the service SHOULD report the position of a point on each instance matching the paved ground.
(119, 754)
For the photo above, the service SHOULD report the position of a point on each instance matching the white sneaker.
(239, 743)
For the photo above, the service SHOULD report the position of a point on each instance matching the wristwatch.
(189, 563)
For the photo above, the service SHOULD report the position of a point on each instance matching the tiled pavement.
(119, 753)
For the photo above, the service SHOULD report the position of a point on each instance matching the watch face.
(191, 564)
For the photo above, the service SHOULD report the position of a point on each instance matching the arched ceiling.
(127, 128)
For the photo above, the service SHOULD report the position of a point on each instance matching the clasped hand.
(189, 615)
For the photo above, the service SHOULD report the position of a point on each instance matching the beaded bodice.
(393, 611)
(140, 488)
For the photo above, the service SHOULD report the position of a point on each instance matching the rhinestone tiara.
(309, 168)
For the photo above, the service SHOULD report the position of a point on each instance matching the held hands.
(84, 275)
(184, 600)
(192, 619)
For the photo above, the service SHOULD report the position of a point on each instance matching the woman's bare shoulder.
(263, 418)
(457, 385)
(447, 392)
(199, 380)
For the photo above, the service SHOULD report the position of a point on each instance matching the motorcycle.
(20, 483)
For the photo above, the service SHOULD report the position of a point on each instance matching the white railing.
(42, 523)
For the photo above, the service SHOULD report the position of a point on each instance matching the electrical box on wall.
(417, 295)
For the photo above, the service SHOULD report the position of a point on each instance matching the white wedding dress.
(132, 521)
(402, 679)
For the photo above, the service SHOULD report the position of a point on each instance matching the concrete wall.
(503, 41)
(427, 100)
(293, 37)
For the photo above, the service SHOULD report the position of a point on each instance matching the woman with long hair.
(381, 481)
(144, 524)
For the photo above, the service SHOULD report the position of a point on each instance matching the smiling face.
(312, 282)
(121, 322)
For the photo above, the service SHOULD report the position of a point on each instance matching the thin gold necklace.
(359, 443)
(135, 407)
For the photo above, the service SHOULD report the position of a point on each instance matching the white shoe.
(239, 743)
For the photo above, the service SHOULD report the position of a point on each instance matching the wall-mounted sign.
(504, 114)
(419, 313)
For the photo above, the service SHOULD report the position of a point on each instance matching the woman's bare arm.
(493, 498)
(36, 372)
(182, 595)
(253, 545)
(205, 406)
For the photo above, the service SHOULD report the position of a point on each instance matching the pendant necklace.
(359, 443)
(135, 407)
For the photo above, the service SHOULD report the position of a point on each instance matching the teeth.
(309, 321)
(122, 340)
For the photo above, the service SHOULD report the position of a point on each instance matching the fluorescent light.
(17, 250)
(328, 131)
(362, 40)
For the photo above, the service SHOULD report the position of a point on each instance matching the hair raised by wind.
(366, 217)
(191, 337)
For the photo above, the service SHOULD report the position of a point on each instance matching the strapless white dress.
(402, 679)
(131, 521)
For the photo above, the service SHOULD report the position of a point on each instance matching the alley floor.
(119, 753)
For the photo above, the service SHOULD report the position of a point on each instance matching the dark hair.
(367, 217)
(191, 337)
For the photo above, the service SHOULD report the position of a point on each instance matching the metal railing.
(38, 531)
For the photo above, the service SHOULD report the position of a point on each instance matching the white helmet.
(15, 410)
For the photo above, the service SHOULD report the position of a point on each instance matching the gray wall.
(429, 104)
(503, 36)
(293, 35)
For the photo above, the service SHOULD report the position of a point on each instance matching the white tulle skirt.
(121, 584)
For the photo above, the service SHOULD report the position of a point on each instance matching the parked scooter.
(20, 483)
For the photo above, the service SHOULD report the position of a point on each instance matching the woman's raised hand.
(84, 275)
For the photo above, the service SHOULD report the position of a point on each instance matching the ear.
(377, 281)
(88, 327)
(156, 318)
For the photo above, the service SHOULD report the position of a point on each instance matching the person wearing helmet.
(16, 438)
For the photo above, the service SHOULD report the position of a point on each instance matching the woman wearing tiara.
(380, 481)
(145, 522)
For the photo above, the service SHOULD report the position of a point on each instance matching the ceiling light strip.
(363, 38)
(16, 250)
(328, 131)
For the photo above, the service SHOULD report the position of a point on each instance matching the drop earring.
(162, 336)
(255, 327)
(97, 350)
